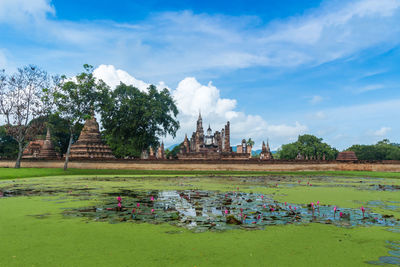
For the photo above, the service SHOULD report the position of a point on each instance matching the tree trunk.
(68, 151)
(18, 162)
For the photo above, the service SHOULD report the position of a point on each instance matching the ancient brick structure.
(209, 146)
(43, 149)
(89, 144)
(161, 152)
(48, 151)
(265, 152)
(243, 148)
(347, 156)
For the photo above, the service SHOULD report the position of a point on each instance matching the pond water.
(201, 210)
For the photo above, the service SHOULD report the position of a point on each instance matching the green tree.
(250, 142)
(8, 146)
(309, 146)
(134, 120)
(59, 129)
(173, 153)
(383, 150)
(75, 100)
(20, 103)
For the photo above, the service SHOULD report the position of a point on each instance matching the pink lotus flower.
(119, 198)
(258, 217)
(138, 205)
(119, 205)
(310, 184)
(295, 208)
(237, 188)
(152, 210)
(318, 202)
(262, 196)
(133, 210)
(285, 204)
(272, 209)
(264, 206)
(363, 211)
(334, 209)
(241, 210)
(341, 214)
(312, 204)
(152, 198)
(226, 211)
(290, 207)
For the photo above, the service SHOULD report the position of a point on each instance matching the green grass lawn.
(34, 231)
(10, 173)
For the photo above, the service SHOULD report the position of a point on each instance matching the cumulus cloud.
(113, 77)
(382, 132)
(192, 97)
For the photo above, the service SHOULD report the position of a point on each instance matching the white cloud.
(112, 76)
(192, 97)
(316, 99)
(382, 132)
(371, 87)
(3, 60)
(23, 10)
(348, 125)
(183, 42)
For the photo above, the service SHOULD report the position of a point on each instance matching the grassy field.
(34, 230)
(10, 173)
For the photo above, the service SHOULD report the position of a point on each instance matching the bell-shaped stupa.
(89, 144)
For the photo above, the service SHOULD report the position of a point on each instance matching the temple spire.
(48, 136)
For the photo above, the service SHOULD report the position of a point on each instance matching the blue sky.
(275, 69)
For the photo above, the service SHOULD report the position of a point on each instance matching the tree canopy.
(75, 100)
(21, 102)
(383, 150)
(308, 146)
(134, 120)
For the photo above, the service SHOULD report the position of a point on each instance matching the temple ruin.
(265, 152)
(347, 156)
(89, 144)
(211, 145)
(40, 149)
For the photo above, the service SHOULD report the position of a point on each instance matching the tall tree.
(309, 146)
(250, 142)
(134, 120)
(75, 101)
(20, 102)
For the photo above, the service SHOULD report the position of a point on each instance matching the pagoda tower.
(47, 150)
(89, 144)
(265, 152)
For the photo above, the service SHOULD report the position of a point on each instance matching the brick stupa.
(40, 149)
(89, 144)
(47, 151)
(347, 156)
